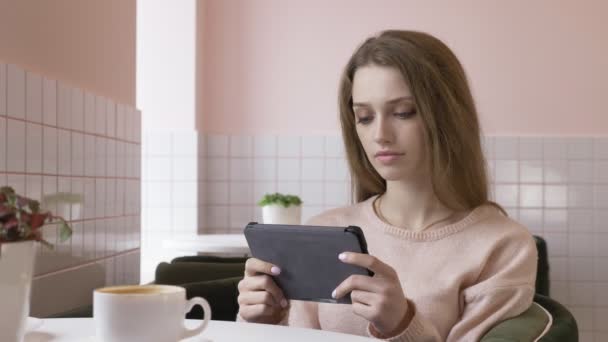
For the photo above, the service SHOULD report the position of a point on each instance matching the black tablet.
(308, 257)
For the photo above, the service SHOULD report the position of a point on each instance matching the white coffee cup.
(150, 313)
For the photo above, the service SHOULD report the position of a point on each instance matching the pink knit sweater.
(462, 278)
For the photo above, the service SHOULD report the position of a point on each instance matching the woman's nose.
(382, 131)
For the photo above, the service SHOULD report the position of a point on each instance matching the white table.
(209, 244)
(83, 330)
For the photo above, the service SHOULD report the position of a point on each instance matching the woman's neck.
(413, 206)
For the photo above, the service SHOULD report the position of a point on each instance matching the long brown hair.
(443, 99)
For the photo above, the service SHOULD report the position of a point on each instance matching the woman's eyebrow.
(399, 99)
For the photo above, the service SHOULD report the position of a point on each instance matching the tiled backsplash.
(79, 154)
(556, 186)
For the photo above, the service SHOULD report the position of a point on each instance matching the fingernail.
(284, 303)
(275, 270)
(333, 294)
(342, 256)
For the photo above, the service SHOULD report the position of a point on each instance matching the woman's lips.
(387, 158)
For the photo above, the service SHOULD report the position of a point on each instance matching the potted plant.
(21, 221)
(281, 209)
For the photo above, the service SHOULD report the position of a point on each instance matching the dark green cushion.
(531, 323)
(191, 272)
(221, 294)
(542, 273)
(209, 258)
(525, 327)
(564, 328)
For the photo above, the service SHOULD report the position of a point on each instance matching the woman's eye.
(406, 115)
(364, 120)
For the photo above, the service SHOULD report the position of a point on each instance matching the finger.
(257, 310)
(262, 283)
(368, 312)
(260, 297)
(368, 261)
(363, 297)
(255, 266)
(358, 282)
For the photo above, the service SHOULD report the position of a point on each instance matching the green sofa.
(217, 278)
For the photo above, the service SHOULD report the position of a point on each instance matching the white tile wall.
(335, 169)
(33, 148)
(89, 113)
(313, 146)
(50, 150)
(293, 188)
(217, 146)
(49, 102)
(506, 171)
(184, 168)
(555, 148)
(111, 158)
(111, 117)
(241, 193)
(47, 147)
(3, 77)
(289, 146)
(288, 169)
(241, 146)
(121, 113)
(530, 148)
(183, 144)
(64, 154)
(15, 101)
(313, 169)
(15, 151)
(64, 113)
(101, 116)
(129, 124)
(3, 142)
(77, 154)
(264, 169)
(241, 169)
(77, 109)
(33, 97)
(334, 147)
(263, 146)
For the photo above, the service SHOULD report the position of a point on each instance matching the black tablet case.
(308, 257)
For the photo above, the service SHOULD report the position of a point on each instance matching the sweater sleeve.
(505, 288)
(419, 329)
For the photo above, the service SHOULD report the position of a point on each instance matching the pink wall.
(273, 65)
(88, 43)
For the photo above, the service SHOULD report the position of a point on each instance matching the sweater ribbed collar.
(431, 234)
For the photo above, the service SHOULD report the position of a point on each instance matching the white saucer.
(33, 323)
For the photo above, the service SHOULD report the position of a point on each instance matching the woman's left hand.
(378, 299)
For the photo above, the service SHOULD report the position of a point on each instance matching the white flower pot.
(277, 214)
(16, 270)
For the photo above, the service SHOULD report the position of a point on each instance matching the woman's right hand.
(260, 299)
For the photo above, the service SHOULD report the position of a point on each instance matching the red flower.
(38, 220)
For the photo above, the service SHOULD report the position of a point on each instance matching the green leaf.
(280, 199)
(65, 232)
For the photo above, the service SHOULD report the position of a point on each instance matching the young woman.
(448, 263)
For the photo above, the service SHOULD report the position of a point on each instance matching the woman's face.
(390, 129)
